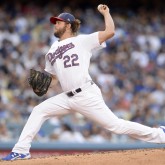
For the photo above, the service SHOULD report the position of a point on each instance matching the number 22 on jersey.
(70, 61)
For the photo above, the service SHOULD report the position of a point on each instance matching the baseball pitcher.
(68, 62)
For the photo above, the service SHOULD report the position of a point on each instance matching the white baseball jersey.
(69, 60)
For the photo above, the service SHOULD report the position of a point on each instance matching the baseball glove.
(39, 82)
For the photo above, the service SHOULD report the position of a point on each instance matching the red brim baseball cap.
(66, 17)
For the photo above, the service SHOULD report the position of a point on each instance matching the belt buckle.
(73, 92)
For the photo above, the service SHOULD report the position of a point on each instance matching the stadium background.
(130, 71)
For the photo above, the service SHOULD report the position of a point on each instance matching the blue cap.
(66, 17)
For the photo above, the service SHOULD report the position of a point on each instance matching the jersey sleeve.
(91, 42)
(48, 67)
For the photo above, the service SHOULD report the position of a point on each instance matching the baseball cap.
(66, 17)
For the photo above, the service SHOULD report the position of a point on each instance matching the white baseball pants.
(89, 103)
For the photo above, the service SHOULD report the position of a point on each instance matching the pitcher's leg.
(109, 121)
(93, 107)
(138, 131)
(52, 107)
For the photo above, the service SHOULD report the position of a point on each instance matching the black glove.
(39, 82)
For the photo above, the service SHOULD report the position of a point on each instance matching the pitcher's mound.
(126, 157)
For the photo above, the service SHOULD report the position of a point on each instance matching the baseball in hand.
(100, 6)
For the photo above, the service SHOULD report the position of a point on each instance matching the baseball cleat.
(16, 156)
(163, 128)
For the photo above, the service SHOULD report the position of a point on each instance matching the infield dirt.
(126, 157)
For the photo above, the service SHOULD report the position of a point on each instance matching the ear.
(68, 26)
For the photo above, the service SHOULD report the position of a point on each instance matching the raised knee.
(38, 109)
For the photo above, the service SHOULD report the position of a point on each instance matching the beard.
(60, 32)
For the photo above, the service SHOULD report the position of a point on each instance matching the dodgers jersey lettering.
(69, 60)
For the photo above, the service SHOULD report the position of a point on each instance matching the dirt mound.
(126, 157)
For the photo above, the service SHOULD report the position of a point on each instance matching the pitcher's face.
(60, 29)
